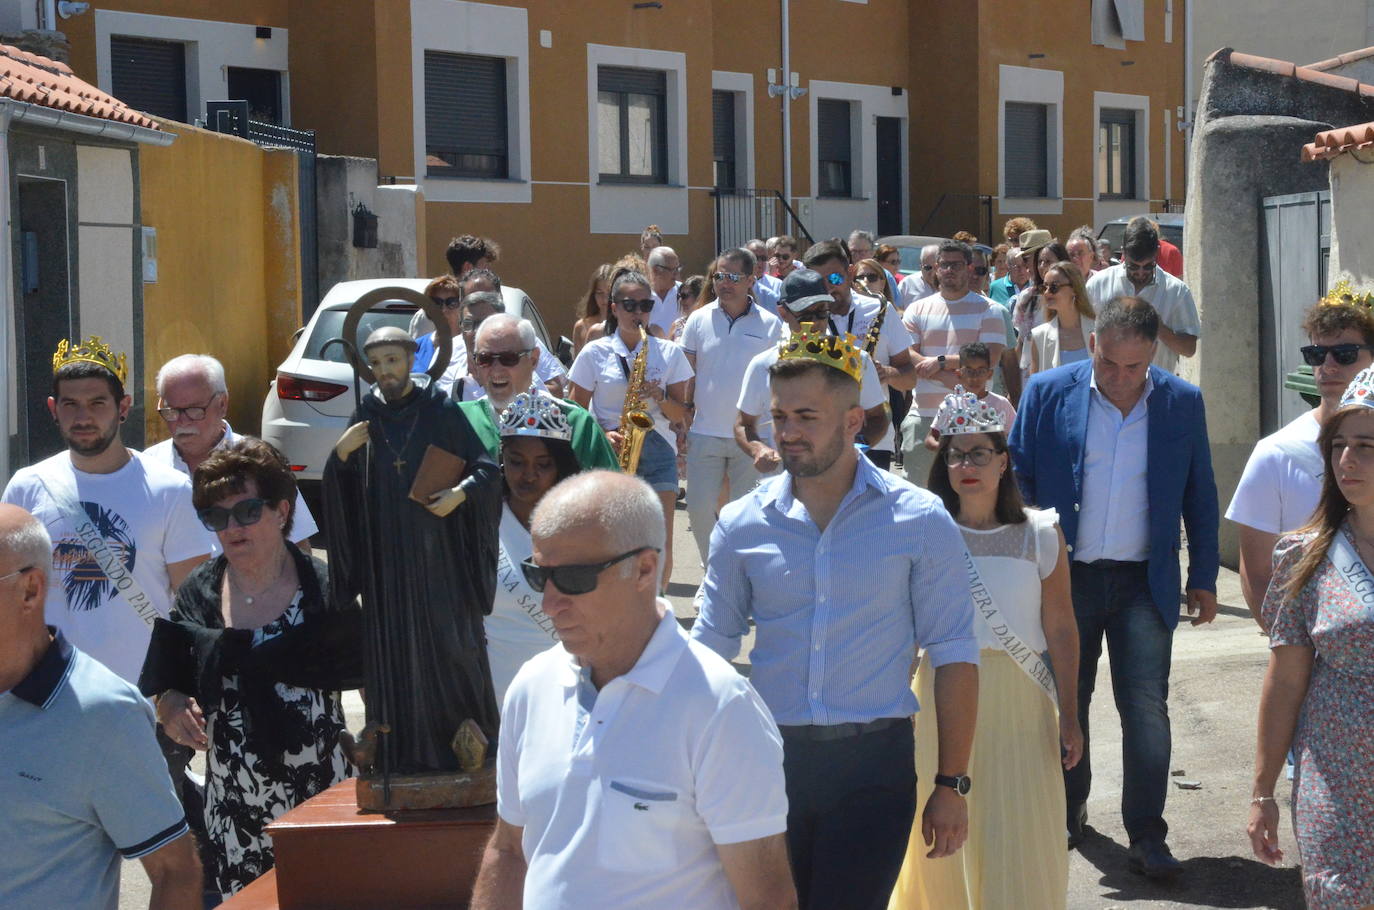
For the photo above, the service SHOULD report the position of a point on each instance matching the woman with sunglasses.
(600, 376)
(1063, 337)
(1027, 727)
(1041, 251)
(688, 299)
(594, 308)
(248, 666)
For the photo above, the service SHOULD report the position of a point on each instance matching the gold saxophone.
(876, 329)
(635, 422)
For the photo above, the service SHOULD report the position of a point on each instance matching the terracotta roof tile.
(1342, 59)
(1314, 75)
(1330, 143)
(34, 79)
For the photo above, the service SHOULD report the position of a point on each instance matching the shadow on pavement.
(1207, 881)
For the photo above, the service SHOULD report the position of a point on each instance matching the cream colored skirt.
(1016, 855)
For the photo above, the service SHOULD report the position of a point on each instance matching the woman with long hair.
(1042, 251)
(1063, 336)
(1027, 726)
(591, 321)
(689, 295)
(1318, 695)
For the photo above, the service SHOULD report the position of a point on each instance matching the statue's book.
(439, 470)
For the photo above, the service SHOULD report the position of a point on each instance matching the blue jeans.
(1113, 600)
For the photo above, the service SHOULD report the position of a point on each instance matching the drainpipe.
(7, 279)
(786, 79)
(49, 15)
(1189, 103)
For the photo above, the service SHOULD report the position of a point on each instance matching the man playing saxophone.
(608, 370)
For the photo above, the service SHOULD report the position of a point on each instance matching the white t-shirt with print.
(1282, 481)
(143, 511)
(756, 399)
(517, 627)
(604, 368)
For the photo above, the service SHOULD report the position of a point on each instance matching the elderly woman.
(1027, 717)
(1318, 695)
(248, 666)
(1063, 336)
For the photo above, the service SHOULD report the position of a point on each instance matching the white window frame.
(1140, 104)
(837, 215)
(742, 85)
(1033, 86)
(211, 48)
(625, 208)
(461, 27)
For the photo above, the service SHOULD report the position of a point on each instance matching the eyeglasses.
(195, 412)
(975, 372)
(927, 268)
(448, 303)
(469, 324)
(631, 305)
(575, 579)
(1146, 266)
(505, 358)
(979, 457)
(835, 278)
(869, 276)
(668, 268)
(952, 264)
(1052, 287)
(732, 277)
(245, 512)
(1314, 355)
(17, 572)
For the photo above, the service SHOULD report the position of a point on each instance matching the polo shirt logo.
(641, 807)
(33, 777)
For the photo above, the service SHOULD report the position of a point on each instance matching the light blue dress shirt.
(1114, 517)
(839, 613)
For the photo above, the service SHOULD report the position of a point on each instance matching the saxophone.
(635, 421)
(876, 329)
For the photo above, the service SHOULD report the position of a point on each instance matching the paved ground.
(1213, 701)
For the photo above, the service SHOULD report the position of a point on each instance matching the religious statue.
(423, 560)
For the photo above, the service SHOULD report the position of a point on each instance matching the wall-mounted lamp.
(364, 227)
(68, 8)
(264, 32)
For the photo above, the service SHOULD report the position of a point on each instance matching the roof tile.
(38, 80)
(1329, 144)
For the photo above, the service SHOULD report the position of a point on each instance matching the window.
(466, 131)
(149, 76)
(260, 88)
(1025, 150)
(723, 139)
(632, 124)
(833, 149)
(1116, 154)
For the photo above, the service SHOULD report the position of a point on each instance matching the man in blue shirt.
(846, 570)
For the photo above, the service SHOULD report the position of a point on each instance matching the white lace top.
(1013, 560)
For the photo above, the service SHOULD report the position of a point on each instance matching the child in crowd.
(975, 370)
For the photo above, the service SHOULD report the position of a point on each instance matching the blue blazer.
(1047, 456)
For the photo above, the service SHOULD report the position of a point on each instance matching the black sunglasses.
(572, 580)
(980, 270)
(505, 358)
(630, 305)
(1314, 355)
(448, 303)
(245, 512)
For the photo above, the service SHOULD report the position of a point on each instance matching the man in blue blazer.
(1120, 449)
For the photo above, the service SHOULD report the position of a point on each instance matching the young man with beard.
(845, 571)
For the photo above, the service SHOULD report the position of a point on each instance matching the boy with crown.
(846, 571)
(124, 531)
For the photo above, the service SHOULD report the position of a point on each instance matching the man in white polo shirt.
(664, 268)
(720, 339)
(636, 769)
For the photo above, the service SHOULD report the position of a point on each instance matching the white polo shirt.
(603, 367)
(1170, 297)
(756, 400)
(623, 794)
(723, 348)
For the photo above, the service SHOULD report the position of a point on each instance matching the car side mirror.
(565, 351)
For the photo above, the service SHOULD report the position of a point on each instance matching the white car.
(310, 400)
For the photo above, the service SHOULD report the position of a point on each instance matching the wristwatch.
(961, 784)
(941, 361)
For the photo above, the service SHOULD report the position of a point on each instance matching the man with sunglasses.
(193, 400)
(664, 271)
(635, 767)
(923, 283)
(1139, 275)
(767, 289)
(1282, 481)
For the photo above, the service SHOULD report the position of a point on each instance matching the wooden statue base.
(331, 855)
(439, 790)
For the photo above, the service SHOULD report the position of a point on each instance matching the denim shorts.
(658, 463)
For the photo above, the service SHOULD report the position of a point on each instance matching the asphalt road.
(1214, 696)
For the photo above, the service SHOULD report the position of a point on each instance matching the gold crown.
(1344, 294)
(93, 351)
(811, 343)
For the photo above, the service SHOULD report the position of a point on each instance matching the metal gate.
(1293, 270)
(743, 214)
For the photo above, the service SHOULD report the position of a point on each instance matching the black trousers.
(850, 807)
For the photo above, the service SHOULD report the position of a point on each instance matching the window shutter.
(465, 114)
(723, 125)
(627, 80)
(1025, 149)
(1131, 15)
(149, 76)
(832, 130)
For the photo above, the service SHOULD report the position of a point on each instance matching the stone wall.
(341, 184)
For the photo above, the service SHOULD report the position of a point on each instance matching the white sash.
(1035, 665)
(1354, 574)
(100, 550)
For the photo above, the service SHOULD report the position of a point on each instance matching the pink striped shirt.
(940, 326)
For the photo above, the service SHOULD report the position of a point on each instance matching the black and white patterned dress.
(244, 791)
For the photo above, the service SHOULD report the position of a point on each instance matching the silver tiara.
(533, 414)
(965, 412)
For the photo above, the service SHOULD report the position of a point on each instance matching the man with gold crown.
(846, 570)
(124, 531)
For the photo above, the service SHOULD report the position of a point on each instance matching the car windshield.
(911, 259)
(331, 322)
(1115, 231)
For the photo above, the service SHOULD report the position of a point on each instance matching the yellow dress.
(1016, 855)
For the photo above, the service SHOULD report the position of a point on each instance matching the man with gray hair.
(861, 244)
(1082, 247)
(81, 777)
(664, 269)
(193, 399)
(635, 768)
(767, 289)
(480, 300)
(924, 283)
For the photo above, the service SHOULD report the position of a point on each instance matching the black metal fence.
(746, 213)
(954, 212)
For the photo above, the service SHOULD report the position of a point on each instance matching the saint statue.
(424, 566)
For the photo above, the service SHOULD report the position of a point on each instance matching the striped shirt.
(838, 613)
(939, 326)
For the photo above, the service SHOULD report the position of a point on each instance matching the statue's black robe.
(425, 582)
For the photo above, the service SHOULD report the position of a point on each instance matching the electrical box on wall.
(150, 255)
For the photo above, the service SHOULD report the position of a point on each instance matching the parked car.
(1170, 228)
(310, 400)
(909, 245)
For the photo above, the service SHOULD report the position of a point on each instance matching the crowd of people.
(930, 498)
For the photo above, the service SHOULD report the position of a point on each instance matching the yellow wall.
(228, 262)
